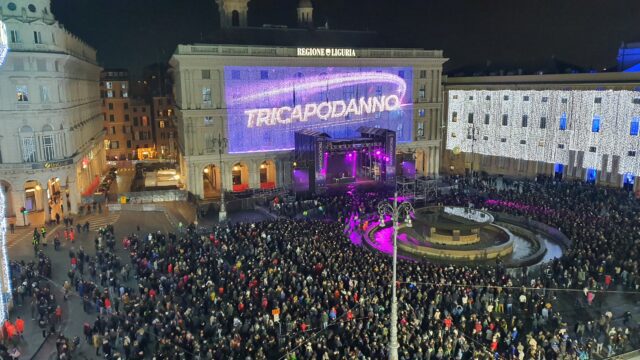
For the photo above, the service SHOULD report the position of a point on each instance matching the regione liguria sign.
(326, 52)
(266, 106)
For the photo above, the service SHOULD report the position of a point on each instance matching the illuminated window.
(161, 124)
(454, 116)
(110, 93)
(635, 126)
(28, 144)
(595, 124)
(505, 120)
(421, 129)
(563, 121)
(109, 85)
(48, 147)
(22, 93)
(525, 120)
(125, 94)
(144, 121)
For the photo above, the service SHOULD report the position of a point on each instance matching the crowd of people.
(298, 288)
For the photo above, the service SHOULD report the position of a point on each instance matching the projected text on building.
(266, 106)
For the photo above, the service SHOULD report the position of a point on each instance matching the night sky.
(134, 33)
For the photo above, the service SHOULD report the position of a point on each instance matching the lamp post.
(395, 211)
(221, 143)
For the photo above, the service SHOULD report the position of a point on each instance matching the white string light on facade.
(4, 261)
(584, 128)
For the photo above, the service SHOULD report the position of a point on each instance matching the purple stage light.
(378, 152)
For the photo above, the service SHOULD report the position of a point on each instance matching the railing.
(149, 197)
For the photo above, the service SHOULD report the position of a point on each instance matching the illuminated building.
(51, 144)
(259, 94)
(582, 126)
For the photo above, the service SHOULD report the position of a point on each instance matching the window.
(144, 121)
(453, 135)
(32, 8)
(135, 109)
(44, 94)
(206, 74)
(487, 117)
(631, 153)
(113, 130)
(109, 85)
(563, 121)
(126, 117)
(11, 6)
(264, 75)
(206, 96)
(115, 145)
(128, 144)
(22, 93)
(504, 140)
(636, 101)
(543, 122)
(470, 97)
(469, 136)
(28, 144)
(505, 120)
(421, 112)
(545, 99)
(525, 120)
(523, 142)
(470, 118)
(47, 147)
(161, 124)
(525, 98)
(635, 126)
(37, 37)
(110, 106)
(597, 100)
(595, 124)
(423, 74)
(126, 106)
(422, 93)
(560, 146)
(125, 94)
(15, 36)
(110, 93)
(455, 97)
(135, 121)
(485, 138)
(488, 97)
(564, 100)
(506, 97)
(420, 132)
(454, 116)
(124, 129)
(208, 120)
(112, 118)
(123, 85)
(592, 149)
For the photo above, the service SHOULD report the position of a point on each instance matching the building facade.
(52, 137)
(577, 126)
(251, 100)
(127, 121)
(164, 128)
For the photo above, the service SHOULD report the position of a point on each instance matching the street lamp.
(395, 211)
(221, 143)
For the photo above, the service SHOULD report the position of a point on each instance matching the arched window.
(28, 144)
(235, 18)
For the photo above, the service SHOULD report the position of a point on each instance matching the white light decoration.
(5, 278)
(4, 42)
(613, 142)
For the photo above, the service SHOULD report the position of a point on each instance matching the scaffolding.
(420, 189)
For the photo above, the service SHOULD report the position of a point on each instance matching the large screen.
(267, 105)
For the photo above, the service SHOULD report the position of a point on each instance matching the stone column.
(254, 174)
(197, 180)
(437, 163)
(45, 204)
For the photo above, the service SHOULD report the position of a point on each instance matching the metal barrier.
(144, 197)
